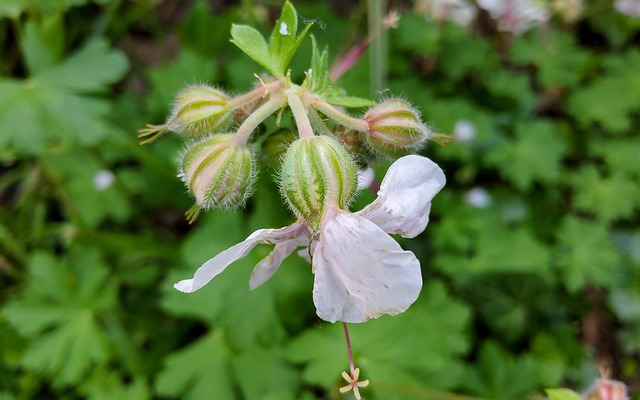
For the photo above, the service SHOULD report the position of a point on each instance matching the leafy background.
(531, 260)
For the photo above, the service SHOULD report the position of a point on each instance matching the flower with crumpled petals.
(361, 272)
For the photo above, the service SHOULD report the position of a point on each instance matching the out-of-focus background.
(530, 262)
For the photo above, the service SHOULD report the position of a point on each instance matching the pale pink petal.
(361, 272)
(270, 264)
(219, 263)
(404, 198)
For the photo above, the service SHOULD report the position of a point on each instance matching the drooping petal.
(219, 263)
(270, 264)
(361, 272)
(404, 198)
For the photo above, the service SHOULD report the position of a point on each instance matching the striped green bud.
(218, 172)
(199, 110)
(394, 128)
(317, 174)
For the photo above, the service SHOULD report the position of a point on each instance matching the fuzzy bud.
(218, 172)
(199, 110)
(394, 127)
(317, 172)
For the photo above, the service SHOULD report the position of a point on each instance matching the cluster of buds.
(318, 158)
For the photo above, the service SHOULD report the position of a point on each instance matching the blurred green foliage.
(531, 260)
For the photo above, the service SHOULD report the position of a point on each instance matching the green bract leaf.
(320, 80)
(562, 394)
(251, 42)
(349, 101)
(585, 254)
(59, 312)
(283, 42)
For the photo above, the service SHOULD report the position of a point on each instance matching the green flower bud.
(317, 173)
(394, 127)
(218, 172)
(199, 110)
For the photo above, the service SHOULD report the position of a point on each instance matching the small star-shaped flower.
(353, 383)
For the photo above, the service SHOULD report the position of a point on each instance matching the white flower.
(478, 197)
(516, 16)
(360, 271)
(630, 8)
(464, 131)
(103, 180)
(462, 12)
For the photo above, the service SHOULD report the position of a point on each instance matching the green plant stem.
(340, 117)
(259, 92)
(276, 102)
(299, 114)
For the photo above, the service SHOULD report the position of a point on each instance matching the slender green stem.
(259, 92)
(340, 117)
(276, 102)
(299, 114)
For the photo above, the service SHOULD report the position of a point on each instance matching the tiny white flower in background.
(516, 16)
(630, 8)
(103, 180)
(462, 12)
(365, 177)
(464, 131)
(478, 197)
(360, 271)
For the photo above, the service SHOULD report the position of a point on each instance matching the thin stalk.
(340, 117)
(349, 350)
(259, 92)
(245, 130)
(300, 115)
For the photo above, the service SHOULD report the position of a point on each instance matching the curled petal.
(270, 264)
(361, 272)
(404, 198)
(219, 263)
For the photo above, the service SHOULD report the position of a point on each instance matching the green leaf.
(42, 43)
(320, 79)
(584, 254)
(283, 43)
(558, 60)
(53, 106)
(263, 373)
(12, 8)
(499, 250)
(620, 86)
(252, 43)
(80, 173)
(385, 348)
(609, 198)
(89, 69)
(348, 101)
(562, 394)
(59, 312)
(500, 376)
(202, 370)
(533, 155)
